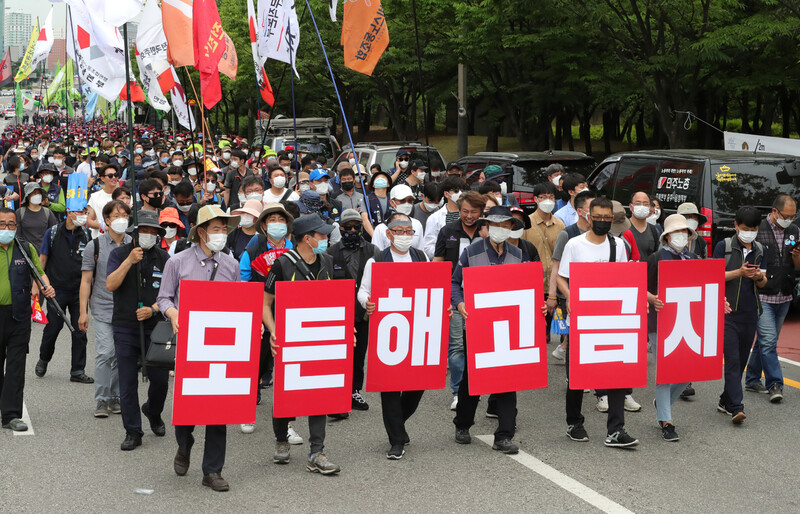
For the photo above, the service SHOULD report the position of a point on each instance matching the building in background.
(2, 25)
(58, 54)
(17, 28)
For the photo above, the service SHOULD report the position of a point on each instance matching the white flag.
(45, 42)
(151, 46)
(278, 31)
(106, 38)
(332, 5)
(150, 85)
(106, 76)
(118, 12)
(181, 104)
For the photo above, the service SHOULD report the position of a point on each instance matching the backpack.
(729, 249)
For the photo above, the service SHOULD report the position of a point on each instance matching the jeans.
(14, 338)
(455, 352)
(106, 375)
(67, 300)
(739, 334)
(666, 394)
(316, 431)
(214, 449)
(765, 352)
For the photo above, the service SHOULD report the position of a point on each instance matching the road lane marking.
(27, 419)
(789, 361)
(565, 482)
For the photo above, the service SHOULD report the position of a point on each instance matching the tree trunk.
(366, 120)
(641, 137)
(607, 131)
(559, 135)
(586, 129)
(786, 113)
(492, 137)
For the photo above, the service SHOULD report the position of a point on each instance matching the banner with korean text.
(691, 324)
(314, 334)
(506, 340)
(408, 331)
(218, 348)
(608, 325)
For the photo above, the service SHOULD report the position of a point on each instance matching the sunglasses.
(111, 175)
(351, 228)
(406, 159)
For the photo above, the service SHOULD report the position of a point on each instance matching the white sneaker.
(248, 428)
(454, 404)
(560, 356)
(602, 403)
(294, 437)
(631, 405)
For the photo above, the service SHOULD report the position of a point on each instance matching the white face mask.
(547, 206)
(80, 220)
(304, 187)
(235, 164)
(499, 234)
(192, 171)
(641, 211)
(171, 232)
(402, 243)
(557, 181)
(184, 208)
(504, 188)
(216, 242)
(516, 234)
(652, 219)
(58, 162)
(150, 153)
(693, 224)
(242, 199)
(119, 225)
(246, 220)
(404, 208)
(352, 162)
(147, 241)
(430, 207)
(747, 236)
(782, 222)
(279, 182)
(322, 188)
(211, 187)
(285, 169)
(255, 196)
(678, 240)
(403, 165)
(50, 160)
(455, 196)
(421, 176)
(226, 155)
(177, 163)
(36, 199)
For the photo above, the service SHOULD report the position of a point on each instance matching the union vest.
(19, 277)
(63, 266)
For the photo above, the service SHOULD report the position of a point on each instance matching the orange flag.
(37, 314)
(177, 20)
(365, 35)
(229, 62)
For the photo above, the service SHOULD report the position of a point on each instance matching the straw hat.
(621, 222)
(272, 208)
(207, 213)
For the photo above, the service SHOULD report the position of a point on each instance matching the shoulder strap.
(728, 249)
(214, 273)
(417, 255)
(298, 262)
(286, 195)
(612, 245)
(53, 231)
(22, 211)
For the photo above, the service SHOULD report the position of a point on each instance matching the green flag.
(69, 86)
(18, 102)
(56, 87)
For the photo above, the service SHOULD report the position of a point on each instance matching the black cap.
(454, 164)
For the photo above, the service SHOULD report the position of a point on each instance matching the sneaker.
(396, 452)
(462, 436)
(83, 378)
(689, 391)
(294, 437)
(247, 428)
(602, 403)
(132, 440)
(577, 433)
(319, 463)
(668, 433)
(620, 439)
(490, 414)
(630, 404)
(16, 425)
(506, 446)
(281, 453)
(41, 368)
(454, 403)
(102, 410)
(359, 403)
(756, 388)
(738, 418)
(775, 394)
(114, 406)
(721, 408)
(560, 356)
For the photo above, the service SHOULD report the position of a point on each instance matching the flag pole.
(294, 104)
(204, 125)
(200, 165)
(132, 175)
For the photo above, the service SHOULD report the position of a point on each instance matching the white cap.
(401, 191)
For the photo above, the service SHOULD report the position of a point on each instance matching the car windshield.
(313, 145)
(753, 183)
(387, 158)
(529, 173)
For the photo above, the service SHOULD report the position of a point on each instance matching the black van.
(717, 181)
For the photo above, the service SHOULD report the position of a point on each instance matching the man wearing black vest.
(307, 262)
(121, 280)
(491, 251)
(350, 257)
(16, 289)
(397, 406)
(62, 255)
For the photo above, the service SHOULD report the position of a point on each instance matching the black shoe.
(83, 378)
(359, 403)
(506, 446)
(577, 433)
(462, 436)
(132, 440)
(689, 391)
(339, 417)
(181, 464)
(620, 439)
(40, 369)
(156, 423)
(396, 452)
(668, 433)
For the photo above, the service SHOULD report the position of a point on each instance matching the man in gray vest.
(490, 251)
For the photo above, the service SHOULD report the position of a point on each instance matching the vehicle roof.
(532, 156)
(388, 145)
(712, 155)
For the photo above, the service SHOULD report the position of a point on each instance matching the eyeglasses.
(785, 217)
(11, 225)
(406, 232)
(639, 204)
(603, 218)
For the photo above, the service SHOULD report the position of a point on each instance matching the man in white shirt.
(401, 199)
(110, 177)
(278, 192)
(452, 189)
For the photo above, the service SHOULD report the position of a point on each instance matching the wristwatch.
(153, 310)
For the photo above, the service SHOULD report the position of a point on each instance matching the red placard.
(314, 364)
(608, 325)
(408, 330)
(506, 343)
(691, 324)
(216, 364)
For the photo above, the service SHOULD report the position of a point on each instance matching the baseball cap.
(400, 191)
(310, 223)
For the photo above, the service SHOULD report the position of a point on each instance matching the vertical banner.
(218, 348)
(25, 66)
(408, 330)
(365, 35)
(314, 363)
(608, 325)
(506, 341)
(77, 191)
(691, 324)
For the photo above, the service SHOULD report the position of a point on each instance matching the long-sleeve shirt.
(365, 289)
(193, 264)
(457, 282)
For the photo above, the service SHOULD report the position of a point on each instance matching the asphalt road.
(73, 462)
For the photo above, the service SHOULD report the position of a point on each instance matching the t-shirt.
(421, 215)
(34, 224)
(646, 241)
(240, 243)
(580, 249)
(276, 273)
(271, 198)
(97, 201)
(351, 202)
(102, 300)
(87, 168)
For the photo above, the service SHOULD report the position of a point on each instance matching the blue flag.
(91, 104)
(77, 191)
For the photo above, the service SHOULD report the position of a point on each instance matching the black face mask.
(601, 228)
(155, 203)
(348, 186)
(351, 239)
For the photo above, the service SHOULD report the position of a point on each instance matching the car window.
(752, 183)
(605, 177)
(534, 172)
(678, 182)
(634, 175)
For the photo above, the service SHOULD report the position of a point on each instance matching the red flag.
(137, 94)
(264, 87)
(38, 314)
(209, 46)
(5, 69)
